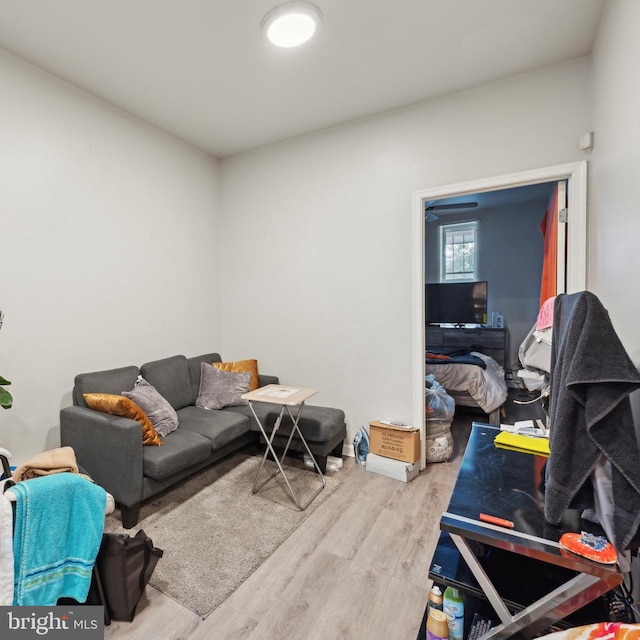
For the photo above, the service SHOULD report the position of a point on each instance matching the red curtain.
(549, 229)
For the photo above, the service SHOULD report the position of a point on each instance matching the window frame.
(445, 230)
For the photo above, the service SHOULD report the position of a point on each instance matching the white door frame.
(576, 258)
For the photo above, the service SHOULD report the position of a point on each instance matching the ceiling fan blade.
(447, 207)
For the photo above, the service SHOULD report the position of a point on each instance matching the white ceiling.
(201, 70)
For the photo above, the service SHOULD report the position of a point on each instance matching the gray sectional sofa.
(109, 448)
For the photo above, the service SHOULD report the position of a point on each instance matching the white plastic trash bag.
(440, 405)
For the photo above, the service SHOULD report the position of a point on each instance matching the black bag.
(124, 565)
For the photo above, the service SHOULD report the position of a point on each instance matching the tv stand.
(487, 340)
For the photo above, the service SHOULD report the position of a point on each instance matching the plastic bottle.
(453, 607)
(435, 598)
(437, 625)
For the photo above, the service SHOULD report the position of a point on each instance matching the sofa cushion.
(241, 366)
(170, 376)
(266, 412)
(220, 427)
(318, 424)
(162, 415)
(220, 389)
(181, 449)
(194, 369)
(118, 405)
(108, 381)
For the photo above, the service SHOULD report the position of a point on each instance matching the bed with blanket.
(472, 378)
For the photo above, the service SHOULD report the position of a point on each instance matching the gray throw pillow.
(162, 415)
(220, 389)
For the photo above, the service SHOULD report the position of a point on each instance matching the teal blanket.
(59, 524)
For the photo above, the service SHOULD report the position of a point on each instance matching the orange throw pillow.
(242, 366)
(120, 406)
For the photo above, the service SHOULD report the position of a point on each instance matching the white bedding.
(486, 386)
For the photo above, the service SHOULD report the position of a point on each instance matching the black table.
(508, 484)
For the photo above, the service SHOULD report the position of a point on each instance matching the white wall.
(614, 259)
(614, 213)
(108, 247)
(317, 251)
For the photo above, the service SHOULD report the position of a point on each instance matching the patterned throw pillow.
(242, 366)
(118, 405)
(162, 415)
(219, 389)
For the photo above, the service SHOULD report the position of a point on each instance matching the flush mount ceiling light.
(291, 23)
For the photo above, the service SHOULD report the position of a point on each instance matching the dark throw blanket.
(590, 415)
(453, 356)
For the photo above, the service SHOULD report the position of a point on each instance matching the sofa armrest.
(265, 380)
(108, 448)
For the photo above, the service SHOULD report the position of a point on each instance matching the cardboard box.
(399, 443)
(396, 469)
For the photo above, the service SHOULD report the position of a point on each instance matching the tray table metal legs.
(257, 485)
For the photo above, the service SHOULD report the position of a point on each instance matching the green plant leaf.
(6, 399)
(4, 381)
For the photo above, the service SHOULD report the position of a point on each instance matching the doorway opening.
(574, 278)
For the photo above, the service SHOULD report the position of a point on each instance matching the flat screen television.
(456, 303)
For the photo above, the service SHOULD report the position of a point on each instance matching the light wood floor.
(356, 569)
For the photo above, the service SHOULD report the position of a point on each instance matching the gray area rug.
(215, 533)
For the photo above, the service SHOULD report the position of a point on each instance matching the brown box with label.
(399, 443)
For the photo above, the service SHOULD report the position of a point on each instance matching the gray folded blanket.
(590, 415)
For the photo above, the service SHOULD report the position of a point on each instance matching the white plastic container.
(333, 463)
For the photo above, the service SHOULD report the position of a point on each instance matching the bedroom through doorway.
(505, 209)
